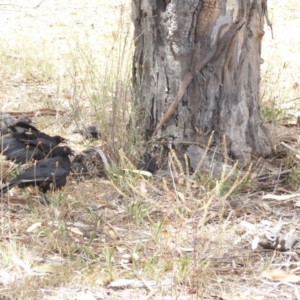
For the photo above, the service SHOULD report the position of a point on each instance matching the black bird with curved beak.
(22, 126)
(23, 146)
(49, 173)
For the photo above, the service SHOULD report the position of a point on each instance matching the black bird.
(89, 132)
(148, 163)
(22, 126)
(30, 144)
(45, 174)
(78, 167)
(7, 120)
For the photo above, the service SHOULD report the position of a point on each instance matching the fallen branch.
(37, 112)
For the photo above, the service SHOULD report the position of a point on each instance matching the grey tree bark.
(197, 70)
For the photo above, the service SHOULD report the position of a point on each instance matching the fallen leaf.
(141, 172)
(280, 197)
(75, 230)
(280, 275)
(34, 226)
(255, 242)
(248, 226)
(181, 196)
(143, 187)
(253, 175)
(121, 283)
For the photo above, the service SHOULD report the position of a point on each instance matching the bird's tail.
(9, 186)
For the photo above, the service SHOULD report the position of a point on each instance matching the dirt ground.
(49, 31)
(57, 27)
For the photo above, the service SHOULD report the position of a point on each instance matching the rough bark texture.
(197, 70)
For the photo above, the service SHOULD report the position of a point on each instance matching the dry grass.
(280, 90)
(176, 237)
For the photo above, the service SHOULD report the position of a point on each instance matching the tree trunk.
(197, 70)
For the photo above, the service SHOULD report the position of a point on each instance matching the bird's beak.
(32, 122)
